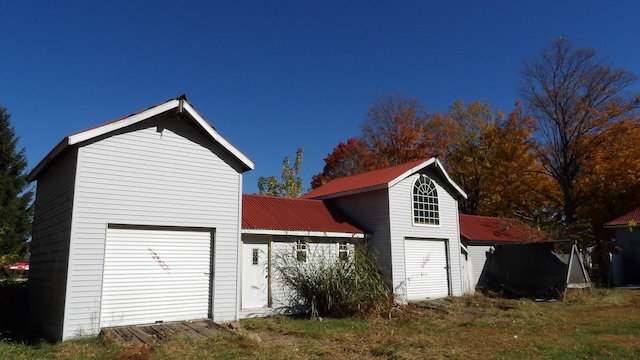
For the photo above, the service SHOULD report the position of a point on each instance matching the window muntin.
(425, 202)
(343, 251)
(255, 256)
(301, 250)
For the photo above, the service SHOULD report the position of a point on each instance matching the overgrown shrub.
(326, 285)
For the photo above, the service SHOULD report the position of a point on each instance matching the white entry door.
(155, 275)
(427, 269)
(255, 282)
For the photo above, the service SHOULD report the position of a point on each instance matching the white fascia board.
(451, 182)
(122, 123)
(411, 171)
(304, 233)
(98, 131)
(429, 162)
(217, 137)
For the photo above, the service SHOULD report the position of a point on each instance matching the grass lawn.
(602, 325)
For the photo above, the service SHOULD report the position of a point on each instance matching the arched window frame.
(426, 207)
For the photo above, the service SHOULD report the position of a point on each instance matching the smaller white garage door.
(155, 275)
(427, 269)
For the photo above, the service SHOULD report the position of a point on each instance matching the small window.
(425, 202)
(343, 251)
(301, 250)
(255, 256)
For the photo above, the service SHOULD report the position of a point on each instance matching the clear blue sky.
(272, 76)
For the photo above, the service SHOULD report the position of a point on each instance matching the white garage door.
(155, 275)
(427, 269)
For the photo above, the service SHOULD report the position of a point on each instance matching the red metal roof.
(369, 179)
(498, 230)
(625, 219)
(276, 213)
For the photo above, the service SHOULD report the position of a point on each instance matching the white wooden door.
(155, 275)
(255, 282)
(427, 269)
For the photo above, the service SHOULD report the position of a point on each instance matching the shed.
(513, 257)
(412, 212)
(137, 221)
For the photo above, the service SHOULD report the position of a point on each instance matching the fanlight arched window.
(425, 202)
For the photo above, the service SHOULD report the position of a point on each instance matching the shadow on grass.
(14, 313)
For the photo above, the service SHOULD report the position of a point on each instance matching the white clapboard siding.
(478, 256)
(155, 275)
(371, 210)
(161, 173)
(427, 269)
(401, 214)
(50, 247)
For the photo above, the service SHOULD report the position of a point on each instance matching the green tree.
(16, 208)
(576, 100)
(291, 184)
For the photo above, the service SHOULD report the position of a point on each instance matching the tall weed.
(327, 285)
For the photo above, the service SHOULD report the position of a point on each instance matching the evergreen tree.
(16, 208)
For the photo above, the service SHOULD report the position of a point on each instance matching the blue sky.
(272, 76)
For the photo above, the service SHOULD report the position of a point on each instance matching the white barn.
(137, 221)
(142, 220)
(412, 212)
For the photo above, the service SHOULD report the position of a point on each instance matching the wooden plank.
(151, 334)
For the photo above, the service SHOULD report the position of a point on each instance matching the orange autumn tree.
(613, 181)
(576, 98)
(350, 158)
(394, 130)
(516, 184)
(493, 159)
(467, 153)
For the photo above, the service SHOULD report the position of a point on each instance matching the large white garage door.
(427, 269)
(155, 275)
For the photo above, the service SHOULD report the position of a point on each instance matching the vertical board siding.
(50, 247)
(162, 173)
(401, 214)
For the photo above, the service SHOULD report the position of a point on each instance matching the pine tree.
(16, 208)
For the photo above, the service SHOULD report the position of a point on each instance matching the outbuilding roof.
(378, 179)
(624, 220)
(179, 104)
(283, 216)
(490, 230)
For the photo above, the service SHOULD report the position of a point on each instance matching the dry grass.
(605, 324)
